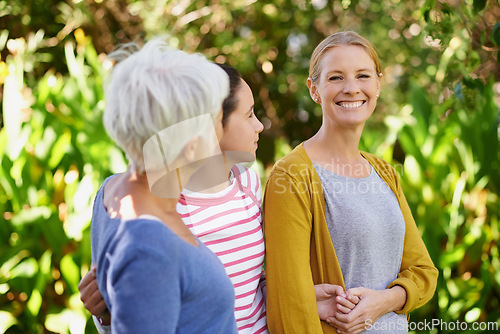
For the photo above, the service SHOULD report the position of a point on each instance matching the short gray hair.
(154, 87)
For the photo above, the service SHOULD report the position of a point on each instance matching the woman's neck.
(128, 196)
(337, 143)
(337, 150)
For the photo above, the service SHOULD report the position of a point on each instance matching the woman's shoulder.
(383, 168)
(149, 234)
(142, 228)
(296, 162)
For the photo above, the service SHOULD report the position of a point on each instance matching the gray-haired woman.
(154, 275)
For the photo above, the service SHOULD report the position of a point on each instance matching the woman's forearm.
(396, 298)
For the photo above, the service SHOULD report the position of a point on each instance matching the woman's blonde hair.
(338, 39)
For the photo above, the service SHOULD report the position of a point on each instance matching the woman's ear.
(189, 152)
(313, 90)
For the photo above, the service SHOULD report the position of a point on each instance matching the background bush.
(436, 121)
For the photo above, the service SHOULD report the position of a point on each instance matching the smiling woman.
(342, 218)
(347, 87)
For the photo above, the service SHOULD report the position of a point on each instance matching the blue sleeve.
(144, 279)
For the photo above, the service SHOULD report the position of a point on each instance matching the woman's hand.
(331, 299)
(91, 296)
(372, 305)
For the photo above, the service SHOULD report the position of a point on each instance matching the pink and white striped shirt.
(229, 223)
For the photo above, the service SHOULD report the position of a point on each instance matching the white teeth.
(351, 105)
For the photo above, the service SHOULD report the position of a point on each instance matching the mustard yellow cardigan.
(300, 253)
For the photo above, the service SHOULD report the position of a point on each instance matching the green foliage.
(54, 155)
(436, 121)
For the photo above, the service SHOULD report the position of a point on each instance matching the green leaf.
(35, 302)
(7, 320)
(26, 268)
(32, 215)
(54, 234)
(495, 34)
(59, 149)
(449, 259)
(479, 5)
(70, 272)
(426, 9)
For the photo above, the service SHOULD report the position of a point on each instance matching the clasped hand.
(349, 310)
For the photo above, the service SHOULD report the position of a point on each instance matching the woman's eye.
(334, 78)
(364, 76)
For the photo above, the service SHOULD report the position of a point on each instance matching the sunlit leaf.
(7, 320)
(412, 171)
(448, 259)
(27, 268)
(70, 272)
(473, 315)
(32, 215)
(35, 302)
(59, 149)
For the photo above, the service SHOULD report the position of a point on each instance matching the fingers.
(343, 309)
(263, 275)
(331, 289)
(353, 299)
(99, 308)
(89, 293)
(353, 330)
(356, 291)
(354, 326)
(88, 278)
(334, 289)
(95, 303)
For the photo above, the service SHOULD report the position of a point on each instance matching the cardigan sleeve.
(418, 275)
(291, 300)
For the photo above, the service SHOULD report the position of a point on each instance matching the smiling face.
(347, 87)
(241, 132)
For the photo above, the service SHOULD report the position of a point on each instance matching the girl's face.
(348, 86)
(241, 132)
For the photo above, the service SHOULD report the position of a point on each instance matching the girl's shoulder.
(246, 176)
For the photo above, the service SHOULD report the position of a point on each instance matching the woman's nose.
(350, 87)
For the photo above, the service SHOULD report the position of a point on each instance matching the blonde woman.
(336, 215)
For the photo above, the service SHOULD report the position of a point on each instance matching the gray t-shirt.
(367, 230)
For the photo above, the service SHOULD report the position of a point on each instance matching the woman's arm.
(291, 303)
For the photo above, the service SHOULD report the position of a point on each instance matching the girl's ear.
(313, 91)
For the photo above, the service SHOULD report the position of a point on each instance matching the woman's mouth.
(351, 105)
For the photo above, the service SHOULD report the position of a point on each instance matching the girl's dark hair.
(230, 103)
